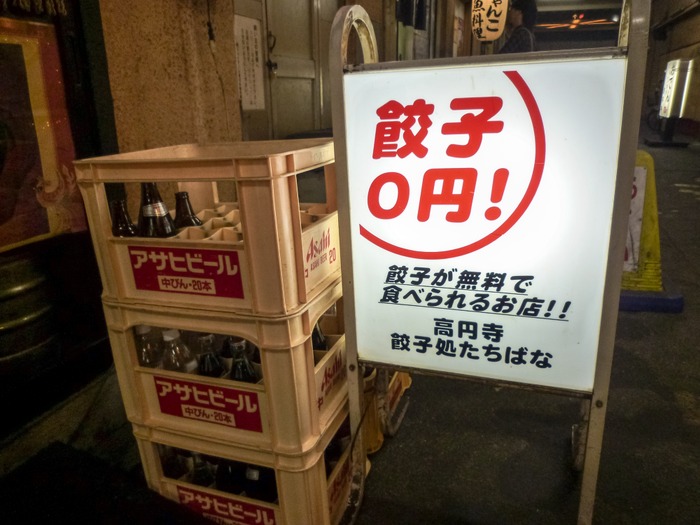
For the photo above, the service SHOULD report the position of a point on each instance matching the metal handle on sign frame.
(355, 17)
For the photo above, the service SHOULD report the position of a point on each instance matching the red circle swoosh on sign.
(537, 170)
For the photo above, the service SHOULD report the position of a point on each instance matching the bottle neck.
(183, 203)
(149, 193)
(205, 346)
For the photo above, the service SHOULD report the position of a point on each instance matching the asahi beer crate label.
(220, 405)
(187, 271)
(226, 510)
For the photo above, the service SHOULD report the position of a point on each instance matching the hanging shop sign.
(480, 205)
(249, 63)
(489, 19)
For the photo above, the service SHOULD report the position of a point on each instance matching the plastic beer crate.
(300, 391)
(316, 488)
(260, 250)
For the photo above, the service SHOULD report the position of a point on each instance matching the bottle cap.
(169, 335)
(142, 329)
(206, 342)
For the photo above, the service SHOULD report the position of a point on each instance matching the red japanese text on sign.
(228, 510)
(404, 130)
(394, 135)
(213, 404)
(392, 129)
(187, 270)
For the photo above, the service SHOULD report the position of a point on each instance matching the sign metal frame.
(353, 21)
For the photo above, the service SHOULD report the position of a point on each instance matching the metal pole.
(637, 43)
(346, 20)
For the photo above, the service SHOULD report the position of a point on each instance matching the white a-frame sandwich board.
(475, 241)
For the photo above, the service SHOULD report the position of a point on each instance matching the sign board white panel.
(249, 62)
(480, 211)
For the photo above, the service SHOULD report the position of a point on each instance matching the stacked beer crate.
(263, 269)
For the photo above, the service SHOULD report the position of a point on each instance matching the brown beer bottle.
(241, 368)
(154, 219)
(231, 476)
(121, 222)
(210, 364)
(184, 214)
(318, 339)
(260, 483)
(148, 347)
(176, 355)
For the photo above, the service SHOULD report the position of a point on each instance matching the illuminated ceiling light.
(577, 20)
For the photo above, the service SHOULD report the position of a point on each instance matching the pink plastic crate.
(263, 253)
(300, 390)
(310, 490)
